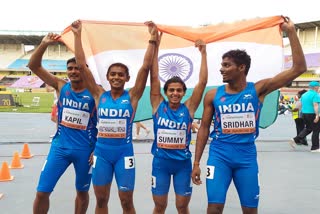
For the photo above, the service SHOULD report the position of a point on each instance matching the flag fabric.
(105, 43)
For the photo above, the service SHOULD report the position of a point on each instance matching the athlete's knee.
(102, 201)
(126, 203)
(215, 208)
(83, 197)
(182, 208)
(42, 196)
(160, 206)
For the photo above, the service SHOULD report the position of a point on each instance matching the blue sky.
(56, 15)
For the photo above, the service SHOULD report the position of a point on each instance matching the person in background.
(236, 107)
(297, 115)
(195, 126)
(140, 125)
(76, 133)
(310, 113)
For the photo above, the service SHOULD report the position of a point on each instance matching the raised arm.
(155, 90)
(85, 72)
(203, 134)
(36, 66)
(299, 66)
(195, 99)
(141, 80)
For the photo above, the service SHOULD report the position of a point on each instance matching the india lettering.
(238, 107)
(74, 104)
(171, 124)
(114, 112)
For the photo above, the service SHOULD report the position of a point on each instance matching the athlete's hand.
(195, 175)
(50, 38)
(91, 159)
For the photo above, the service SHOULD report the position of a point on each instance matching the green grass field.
(25, 104)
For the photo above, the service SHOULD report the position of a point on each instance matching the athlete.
(235, 108)
(172, 130)
(116, 109)
(75, 137)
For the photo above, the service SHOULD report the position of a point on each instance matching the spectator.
(140, 125)
(310, 114)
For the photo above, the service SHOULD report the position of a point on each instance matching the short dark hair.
(73, 59)
(240, 57)
(118, 64)
(302, 92)
(174, 79)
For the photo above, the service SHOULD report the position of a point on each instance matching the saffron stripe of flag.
(105, 43)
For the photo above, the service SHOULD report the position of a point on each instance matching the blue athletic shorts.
(163, 169)
(237, 162)
(58, 161)
(118, 160)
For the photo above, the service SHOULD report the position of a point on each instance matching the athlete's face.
(117, 77)
(175, 92)
(230, 71)
(73, 72)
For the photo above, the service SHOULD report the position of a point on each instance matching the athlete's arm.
(36, 66)
(85, 72)
(266, 86)
(193, 102)
(203, 134)
(155, 90)
(141, 80)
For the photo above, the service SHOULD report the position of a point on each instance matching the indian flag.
(105, 43)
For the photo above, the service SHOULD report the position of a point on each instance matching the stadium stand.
(28, 82)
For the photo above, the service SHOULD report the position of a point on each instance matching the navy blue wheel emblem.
(173, 64)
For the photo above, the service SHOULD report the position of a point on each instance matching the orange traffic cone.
(5, 173)
(26, 152)
(16, 163)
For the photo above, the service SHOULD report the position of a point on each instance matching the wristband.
(196, 163)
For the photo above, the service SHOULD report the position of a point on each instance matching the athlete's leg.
(102, 194)
(41, 203)
(126, 199)
(182, 184)
(55, 165)
(102, 173)
(246, 179)
(83, 179)
(182, 203)
(160, 203)
(219, 176)
(125, 177)
(160, 184)
(81, 202)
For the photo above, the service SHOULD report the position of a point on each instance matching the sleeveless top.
(115, 120)
(236, 116)
(172, 132)
(77, 120)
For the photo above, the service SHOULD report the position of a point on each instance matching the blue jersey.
(115, 119)
(77, 120)
(172, 130)
(236, 116)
